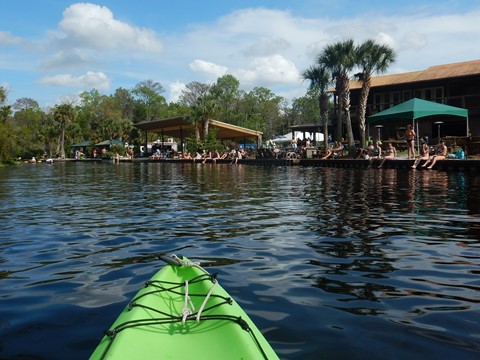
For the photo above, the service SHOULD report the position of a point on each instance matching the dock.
(472, 165)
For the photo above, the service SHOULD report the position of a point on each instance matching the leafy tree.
(192, 92)
(63, 114)
(339, 59)
(49, 130)
(27, 126)
(88, 116)
(150, 104)
(201, 113)
(371, 58)
(225, 91)
(320, 79)
(260, 108)
(7, 141)
(124, 102)
(5, 112)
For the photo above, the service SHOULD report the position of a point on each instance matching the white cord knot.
(185, 263)
(186, 311)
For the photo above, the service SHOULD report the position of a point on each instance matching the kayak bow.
(182, 312)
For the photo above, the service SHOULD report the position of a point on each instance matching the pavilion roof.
(179, 126)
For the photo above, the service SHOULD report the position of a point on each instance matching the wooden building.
(180, 128)
(456, 84)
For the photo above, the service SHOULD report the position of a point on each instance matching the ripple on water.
(332, 263)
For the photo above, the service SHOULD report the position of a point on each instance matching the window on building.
(396, 97)
(427, 94)
(407, 95)
(438, 91)
(377, 102)
(386, 100)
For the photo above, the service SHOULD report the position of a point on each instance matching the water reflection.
(347, 263)
(400, 246)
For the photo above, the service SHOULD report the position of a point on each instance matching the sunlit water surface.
(330, 263)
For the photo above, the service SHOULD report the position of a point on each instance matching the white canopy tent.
(287, 138)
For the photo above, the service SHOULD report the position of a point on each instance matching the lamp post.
(379, 128)
(438, 123)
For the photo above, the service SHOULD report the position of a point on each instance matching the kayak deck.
(183, 312)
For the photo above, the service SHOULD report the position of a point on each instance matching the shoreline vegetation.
(402, 162)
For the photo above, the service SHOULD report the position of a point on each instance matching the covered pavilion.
(308, 130)
(179, 127)
(418, 110)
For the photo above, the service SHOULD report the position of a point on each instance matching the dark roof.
(81, 144)
(179, 126)
(455, 70)
(110, 143)
(306, 127)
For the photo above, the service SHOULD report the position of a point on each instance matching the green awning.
(416, 108)
(82, 144)
(110, 143)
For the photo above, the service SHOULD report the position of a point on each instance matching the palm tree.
(320, 78)
(202, 111)
(371, 58)
(339, 59)
(63, 114)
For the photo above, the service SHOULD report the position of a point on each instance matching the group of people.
(440, 153)
(374, 151)
(204, 156)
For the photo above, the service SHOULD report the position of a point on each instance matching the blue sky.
(52, 50)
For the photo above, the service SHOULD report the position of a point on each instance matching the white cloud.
(265, 46)
(96, 80)
(414, 40)
(93, 26)
(268, 70)
(176, 90)
(67, 59)
(208, 67)
(90, 26)
(6, 38)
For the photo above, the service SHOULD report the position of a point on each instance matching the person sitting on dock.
(222, 156)
(440, 154)
(363, 153)
(374, 152)
(207, 157)
(335, 152)
(391, 154)
(424, 154)
(198, 156)
(456, 153)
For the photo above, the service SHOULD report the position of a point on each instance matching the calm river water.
(330, 263)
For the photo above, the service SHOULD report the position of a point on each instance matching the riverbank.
(400, 163)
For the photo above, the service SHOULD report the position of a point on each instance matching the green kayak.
(183, 313)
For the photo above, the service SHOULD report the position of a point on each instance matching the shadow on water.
(330, 263)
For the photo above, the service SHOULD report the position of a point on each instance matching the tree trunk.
(362, 110)
(323, 103)
(62, 142)
(197, 131)
(338, 114)
(345, 101)
(206, 123)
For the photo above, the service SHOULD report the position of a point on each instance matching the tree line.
(28, 130)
